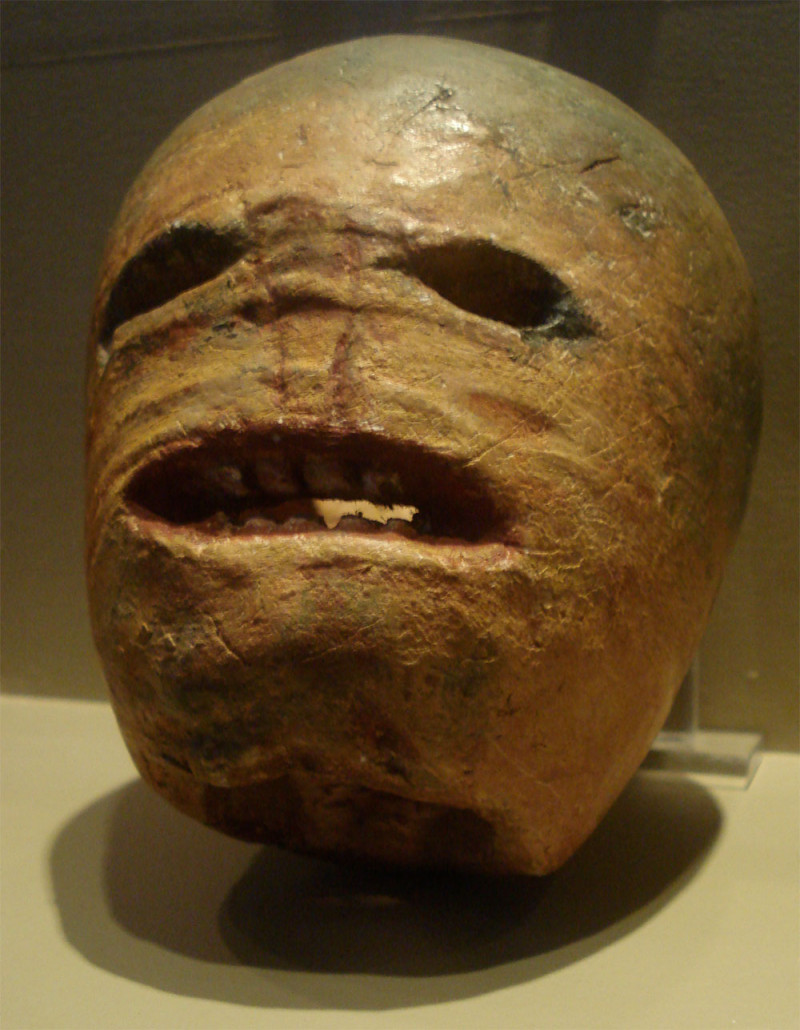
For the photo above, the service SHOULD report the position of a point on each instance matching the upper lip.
(268, 480)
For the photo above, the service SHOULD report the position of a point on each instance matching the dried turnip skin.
(450, 280)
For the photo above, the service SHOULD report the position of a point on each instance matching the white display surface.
(117, 912)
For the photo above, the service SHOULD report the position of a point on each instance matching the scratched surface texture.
(505, 306)
(88, 94)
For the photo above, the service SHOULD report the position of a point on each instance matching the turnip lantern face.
(423, 400)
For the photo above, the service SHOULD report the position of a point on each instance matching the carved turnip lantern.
(423, 400)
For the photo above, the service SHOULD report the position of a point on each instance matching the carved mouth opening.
(306, 483)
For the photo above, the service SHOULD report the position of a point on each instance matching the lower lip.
(326, 546)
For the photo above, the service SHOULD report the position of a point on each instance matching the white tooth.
(330, 511)
(276, 477)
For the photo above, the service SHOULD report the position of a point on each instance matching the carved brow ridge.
(475, 275)
(179, 259)
(492, 282)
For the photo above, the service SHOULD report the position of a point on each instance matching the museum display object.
(424, 394)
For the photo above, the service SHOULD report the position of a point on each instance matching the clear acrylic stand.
(724, 757)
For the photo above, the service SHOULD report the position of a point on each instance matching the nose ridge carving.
(347, 386)
(317, 279)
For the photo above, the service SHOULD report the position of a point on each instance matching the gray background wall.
(89, 89)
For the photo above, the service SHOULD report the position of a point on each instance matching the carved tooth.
(402, 527)
(299, 524)
(276, 477)
(216, 523)
(326, 477)
(258, 524)
(382, 487)
(225, 480)
(357, 524)
(422, 524)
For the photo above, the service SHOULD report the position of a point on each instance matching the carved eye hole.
(501, 285)
(183, 257)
